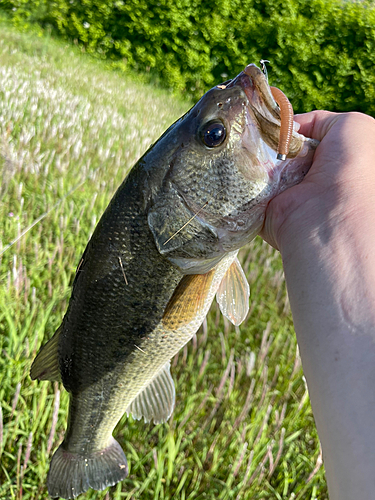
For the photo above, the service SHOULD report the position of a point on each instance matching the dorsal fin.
(46, 365)
(233, 294)
(157, 400)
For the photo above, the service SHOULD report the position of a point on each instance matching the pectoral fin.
(233, 294)
(188, 300)
(157, 400)
(46, 365)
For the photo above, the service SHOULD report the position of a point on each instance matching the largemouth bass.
(166, 244)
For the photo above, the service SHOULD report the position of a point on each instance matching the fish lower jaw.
(292, 171)
(196, 266)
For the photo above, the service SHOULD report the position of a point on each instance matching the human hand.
(339, 185)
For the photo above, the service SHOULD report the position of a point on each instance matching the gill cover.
(181, 235)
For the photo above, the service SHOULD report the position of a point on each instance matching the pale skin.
(325, 231)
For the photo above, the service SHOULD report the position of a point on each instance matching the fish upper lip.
(244, 81)
(257, 90)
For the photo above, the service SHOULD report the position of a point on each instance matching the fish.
(164, 247)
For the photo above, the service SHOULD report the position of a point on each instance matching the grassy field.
(242, 428)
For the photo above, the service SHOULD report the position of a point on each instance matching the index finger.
(316, 124)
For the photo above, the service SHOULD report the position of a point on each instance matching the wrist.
(330, 276)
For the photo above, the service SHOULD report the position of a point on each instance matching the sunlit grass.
(242, 427)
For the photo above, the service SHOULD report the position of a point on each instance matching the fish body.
(166, 244)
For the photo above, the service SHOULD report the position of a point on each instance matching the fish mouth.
(255, 84)
(263, 108)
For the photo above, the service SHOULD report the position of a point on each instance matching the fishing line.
(186, 223)
(191, 218)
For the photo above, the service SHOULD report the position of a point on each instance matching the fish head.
(222, 172)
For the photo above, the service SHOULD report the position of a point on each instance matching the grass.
(70, 129)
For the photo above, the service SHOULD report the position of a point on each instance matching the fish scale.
(127, 380)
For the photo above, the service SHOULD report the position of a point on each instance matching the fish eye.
(213, 134)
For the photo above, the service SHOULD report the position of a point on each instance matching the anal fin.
(46, 365)
(157, 400)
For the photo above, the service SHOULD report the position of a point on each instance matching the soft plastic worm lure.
(286, 122)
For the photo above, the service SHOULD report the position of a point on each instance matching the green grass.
(242, 428)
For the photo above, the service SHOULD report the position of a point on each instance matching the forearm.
(330, 274)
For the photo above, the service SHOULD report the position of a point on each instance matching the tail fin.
(71, 474)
